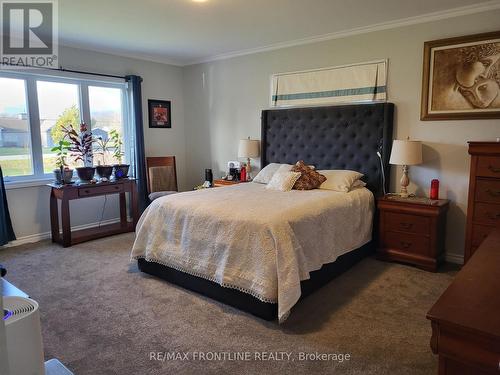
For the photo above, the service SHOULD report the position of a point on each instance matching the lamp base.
(405, 181)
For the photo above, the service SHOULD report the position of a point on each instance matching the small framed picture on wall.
(160, 113)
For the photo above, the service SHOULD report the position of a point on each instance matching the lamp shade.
(248, 148)
(406, 152)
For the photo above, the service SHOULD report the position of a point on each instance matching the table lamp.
(405, 153)
(248, 148)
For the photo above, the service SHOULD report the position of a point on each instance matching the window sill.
(11, 185)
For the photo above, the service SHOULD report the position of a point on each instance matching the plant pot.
(58, 176)
(85, 173)
(121, 170)
(104, 171)
(67, 176)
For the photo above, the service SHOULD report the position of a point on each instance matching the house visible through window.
(33, 108)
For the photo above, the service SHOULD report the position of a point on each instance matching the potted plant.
(103, 170)
(120, 169)
(62, 173)
(81, 150)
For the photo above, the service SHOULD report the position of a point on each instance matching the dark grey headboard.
(331, 137)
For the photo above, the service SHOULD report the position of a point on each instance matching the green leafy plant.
(102, 147)
(117, 145)
(61, 150)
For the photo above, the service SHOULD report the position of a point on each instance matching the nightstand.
(221, 182)
(412, 230)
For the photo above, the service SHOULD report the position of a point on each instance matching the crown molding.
(424, 18)
(130, 55)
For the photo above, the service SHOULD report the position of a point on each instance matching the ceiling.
(183, 32)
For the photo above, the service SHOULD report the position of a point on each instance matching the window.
(58, 104)
(15, 139)
(32, 109)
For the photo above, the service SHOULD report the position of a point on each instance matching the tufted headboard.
(331, 137)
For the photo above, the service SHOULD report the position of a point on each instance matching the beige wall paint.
(227, 107)
(29, 207)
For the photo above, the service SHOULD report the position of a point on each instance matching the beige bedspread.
(259, 241)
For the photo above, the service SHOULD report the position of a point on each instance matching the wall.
(228, 106)
(29, 207)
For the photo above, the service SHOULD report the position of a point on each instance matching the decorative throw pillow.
(340, 180)
(309, 178)
(283, 179)
(266, 173)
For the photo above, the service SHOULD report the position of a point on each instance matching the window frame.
(38, 177)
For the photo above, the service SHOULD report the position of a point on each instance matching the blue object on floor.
(54, 367)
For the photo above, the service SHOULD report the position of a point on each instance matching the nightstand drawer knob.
(405, 245)
(406, 225)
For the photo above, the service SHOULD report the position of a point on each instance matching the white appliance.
(24, 336)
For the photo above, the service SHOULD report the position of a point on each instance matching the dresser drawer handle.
(87, 191)
(494, 169)
(493, 193)
(405, 245)
(491, 216)
(406, 225)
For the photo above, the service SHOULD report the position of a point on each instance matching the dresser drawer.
(100, 190)
(488, 166)
(407, 223)
(488, 191)
(487, 213)
(479, 233)
(410, 243)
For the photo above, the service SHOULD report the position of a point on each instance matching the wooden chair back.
(162, 161)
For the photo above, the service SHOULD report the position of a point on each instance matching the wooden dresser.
(466, 318)
(483, 211)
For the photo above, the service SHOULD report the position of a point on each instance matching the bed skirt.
(246, 302)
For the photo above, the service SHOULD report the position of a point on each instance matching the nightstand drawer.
(488, 214)
(410, 243)
(488, 166)
(407, 223)
(100, 190)
(479, 233)
(487, 191)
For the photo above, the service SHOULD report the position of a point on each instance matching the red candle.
(434, 189)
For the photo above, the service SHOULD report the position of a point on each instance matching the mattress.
(258, 241)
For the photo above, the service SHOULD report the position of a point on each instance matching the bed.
(262, 250)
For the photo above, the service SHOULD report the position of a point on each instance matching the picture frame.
(160, 114)
(461, 78)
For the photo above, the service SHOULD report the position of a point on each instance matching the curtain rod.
(61, 69)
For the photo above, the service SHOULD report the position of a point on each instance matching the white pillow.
(357, 184)
(266, 173)
(339, 180)
(283, 179)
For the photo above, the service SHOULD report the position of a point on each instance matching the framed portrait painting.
(160, 113)
(461, 78)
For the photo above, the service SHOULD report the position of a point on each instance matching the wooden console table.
(466, 318)
(65, 193)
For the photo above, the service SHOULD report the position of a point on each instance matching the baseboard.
(47, 235)
(454, 258)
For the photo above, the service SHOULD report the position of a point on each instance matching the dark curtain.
(6, 231)
(139, 153)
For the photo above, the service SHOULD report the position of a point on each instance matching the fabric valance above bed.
(342, 84)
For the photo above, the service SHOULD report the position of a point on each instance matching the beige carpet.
(100, 315)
